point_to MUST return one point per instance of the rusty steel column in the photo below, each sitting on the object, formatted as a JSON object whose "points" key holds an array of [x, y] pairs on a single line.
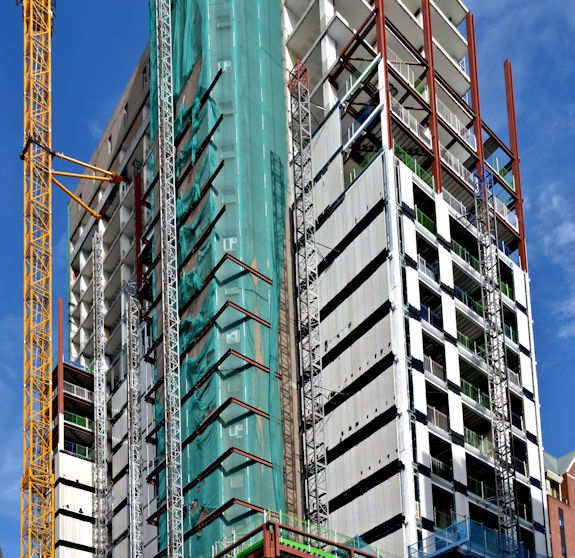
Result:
{"points": [[382, 49], [515, 161], [472, 53], [430, 77]]}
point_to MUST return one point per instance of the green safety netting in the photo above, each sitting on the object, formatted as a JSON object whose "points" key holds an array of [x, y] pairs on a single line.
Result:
{"points": [[242, 38]]}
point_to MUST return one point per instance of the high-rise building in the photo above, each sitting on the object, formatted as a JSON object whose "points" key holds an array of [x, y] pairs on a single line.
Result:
{"points": [[384, 247]]}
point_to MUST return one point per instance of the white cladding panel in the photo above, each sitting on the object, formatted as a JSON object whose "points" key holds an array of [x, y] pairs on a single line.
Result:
{"points": [[533, 460], [362, 355], [393, 543], [352, 260], [363, 460], [73, 499], [329, 186], [406, 185], [519, 286], [445, 265], [409, 237], [358, 200], [73, 530], [120, 458], [120, 522], [122, 549], [120, 429], [360, 409], [523, 329], [529, 415], [353, 310], [73, 468], [442, 218], [370, 509], [120, 490], [64, 552], [526, 371], [326, 141], [119, 399]]}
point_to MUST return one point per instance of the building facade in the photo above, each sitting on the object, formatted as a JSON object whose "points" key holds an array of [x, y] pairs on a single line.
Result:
{"points": [[397, 136], [560, 484]]}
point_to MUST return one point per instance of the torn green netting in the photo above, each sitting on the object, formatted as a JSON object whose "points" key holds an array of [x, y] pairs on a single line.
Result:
{"points": [[243, 39]]}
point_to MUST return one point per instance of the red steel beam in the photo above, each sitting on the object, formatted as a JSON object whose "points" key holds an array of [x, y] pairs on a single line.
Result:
{"points": [[515, 161], [430, 75], [382, 49], [472, 54]]}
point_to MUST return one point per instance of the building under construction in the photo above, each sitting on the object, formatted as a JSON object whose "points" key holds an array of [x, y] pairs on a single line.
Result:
{"points": [[309, 298]]}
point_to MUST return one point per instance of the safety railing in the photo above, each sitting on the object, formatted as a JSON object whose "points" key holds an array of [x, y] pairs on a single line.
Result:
{"points": [[351, 176], [469, 301], [78, 391], [510, 333], [507, 290], [508, 215], [441, 469], [456, 166], [465, 255], [429, 316], [471, 345], [475, 393], [478, 441], [79, 450], [425, 220], [460, 129], [521, 467], [437, 418], [413, 165], [517, 420], [428, 269], [459, 207], [524, 511], [433, 367], [411, 122], [77, 420], [502, 172], [514, 377], [481, 489], [417, 84]]}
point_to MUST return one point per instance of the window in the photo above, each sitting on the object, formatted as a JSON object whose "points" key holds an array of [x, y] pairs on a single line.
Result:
{"points": [[562, 529], [554, 489]]}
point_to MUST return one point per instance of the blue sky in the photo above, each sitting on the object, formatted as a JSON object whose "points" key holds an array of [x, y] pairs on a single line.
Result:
{"points": [[96, 46]]}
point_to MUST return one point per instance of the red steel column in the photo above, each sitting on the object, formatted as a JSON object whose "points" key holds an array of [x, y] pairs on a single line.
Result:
{"points": [[472, 53], [382, 49], [430, 76], [515, 161], [60, 373]]}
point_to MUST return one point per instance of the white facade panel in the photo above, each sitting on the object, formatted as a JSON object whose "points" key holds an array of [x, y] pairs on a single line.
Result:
{"points": [[406, 185], [442, 218], [519, 289], [329, 187], [122, 549], [73, 530], [120, 429], [73, 468], [409, 237], [119, 399], [73, 499], [120, 458], [326, 141], [533, 461], [523, 329], [120, 490], [445, 266], [526, 371], [64, 552], [120, 522]]}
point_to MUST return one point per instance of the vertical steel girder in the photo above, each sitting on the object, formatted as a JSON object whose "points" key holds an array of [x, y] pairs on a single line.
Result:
{"points": [[134, 422], [169, 270], [308, 303], [37, 486], [495, 354], [100, 533]]}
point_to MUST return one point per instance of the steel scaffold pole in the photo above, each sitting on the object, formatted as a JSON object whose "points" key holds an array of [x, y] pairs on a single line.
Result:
{"points": [[169, 270], [308, 303]]}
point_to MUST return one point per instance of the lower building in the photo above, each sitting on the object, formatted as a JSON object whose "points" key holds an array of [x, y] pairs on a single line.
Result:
{"points": [[560, 483]]}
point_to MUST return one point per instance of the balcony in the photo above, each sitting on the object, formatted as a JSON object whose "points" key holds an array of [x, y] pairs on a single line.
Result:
{"points": [[403, 68], [441, 469], [411, 122], [502, 172], [514, 377], [413, 165], [517, 420], [481, 489], [475, 393], [455, 124], [437, 418], [465, 255], [427, 269], [478, 441], [76, 391], [77, 420], [508, 216], [424, 220], [471, 345], [433, 367], [510, 333], [507, 290], [456, 166], [79, 450], [469, 301], [429, 316]]}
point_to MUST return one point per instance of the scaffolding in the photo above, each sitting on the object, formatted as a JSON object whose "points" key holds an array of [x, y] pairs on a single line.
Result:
{"points": [[314, 450], [100, 533], [169, 270], [495, 354], [134, 421]]}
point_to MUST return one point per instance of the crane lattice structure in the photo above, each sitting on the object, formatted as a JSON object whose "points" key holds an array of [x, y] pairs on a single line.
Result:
{"points": [[37, 515], [308, 302], [100, 533], [134, 421], [495, 353], [169, 270]]}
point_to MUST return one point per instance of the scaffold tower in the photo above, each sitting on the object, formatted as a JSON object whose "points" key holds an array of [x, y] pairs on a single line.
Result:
{"points": [[169, 271], [495, 354], [315, 471]]}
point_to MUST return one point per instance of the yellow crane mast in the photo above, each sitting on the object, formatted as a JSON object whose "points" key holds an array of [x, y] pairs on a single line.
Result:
{"points": [[37, 486]]}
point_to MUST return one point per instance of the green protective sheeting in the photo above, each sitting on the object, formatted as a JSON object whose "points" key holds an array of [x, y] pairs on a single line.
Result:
{"points": [[243, 38]]}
